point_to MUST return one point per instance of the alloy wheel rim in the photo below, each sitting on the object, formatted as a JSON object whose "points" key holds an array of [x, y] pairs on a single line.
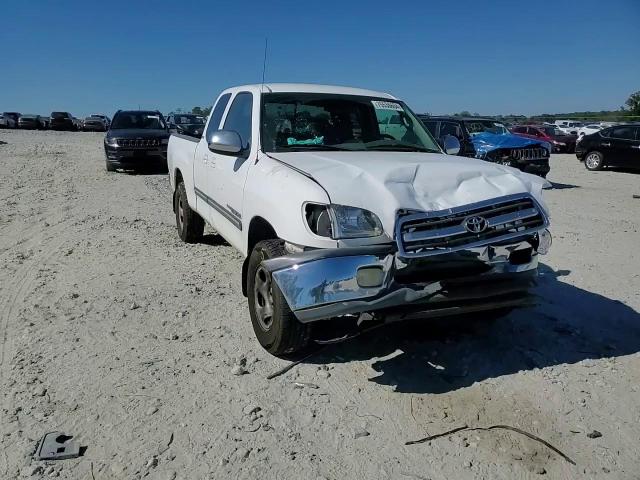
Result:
{"points": [[593, 160], [263, 298]]}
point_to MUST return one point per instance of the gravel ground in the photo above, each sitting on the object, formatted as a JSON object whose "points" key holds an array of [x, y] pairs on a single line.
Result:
{"points": [[140, 346]]}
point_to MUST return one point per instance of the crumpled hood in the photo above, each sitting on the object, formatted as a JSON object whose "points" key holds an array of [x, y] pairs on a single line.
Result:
{"points": [[385, 182], [486, 142]]}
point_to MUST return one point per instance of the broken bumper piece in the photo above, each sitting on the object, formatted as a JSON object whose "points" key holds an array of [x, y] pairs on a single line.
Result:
{"points": [[322, 284]]}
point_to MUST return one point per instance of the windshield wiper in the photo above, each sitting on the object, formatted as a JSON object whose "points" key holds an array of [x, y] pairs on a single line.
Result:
{"points": [[314, 147], [402, 147]]}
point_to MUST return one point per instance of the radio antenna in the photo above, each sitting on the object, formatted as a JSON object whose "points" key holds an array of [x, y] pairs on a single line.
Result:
{"points": [[264, 63]]}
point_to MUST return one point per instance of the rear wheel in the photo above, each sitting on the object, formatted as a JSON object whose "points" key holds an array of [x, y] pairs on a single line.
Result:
{"points": [[594, 161], [276, 327], [190, 224]]}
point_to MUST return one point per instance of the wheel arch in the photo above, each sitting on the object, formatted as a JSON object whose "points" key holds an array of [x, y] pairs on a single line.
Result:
{"points": [[259, 230], [177, 179]]}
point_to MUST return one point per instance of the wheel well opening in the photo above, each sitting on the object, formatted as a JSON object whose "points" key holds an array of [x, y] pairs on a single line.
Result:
{"points": [[259, 229], [178, 181]]}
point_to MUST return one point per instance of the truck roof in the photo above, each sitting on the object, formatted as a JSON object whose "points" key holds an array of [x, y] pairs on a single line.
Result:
{"points": [[309, 88]]}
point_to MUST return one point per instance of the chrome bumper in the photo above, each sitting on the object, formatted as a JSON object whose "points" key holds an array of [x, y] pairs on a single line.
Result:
{"points": [[321, 284]]}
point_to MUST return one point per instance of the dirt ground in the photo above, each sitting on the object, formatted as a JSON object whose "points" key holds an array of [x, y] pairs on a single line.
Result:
{"points": [[116, 332]]}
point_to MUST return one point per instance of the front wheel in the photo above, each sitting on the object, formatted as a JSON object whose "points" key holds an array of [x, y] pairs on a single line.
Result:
{"points": [[594, 161], [275, 325]]}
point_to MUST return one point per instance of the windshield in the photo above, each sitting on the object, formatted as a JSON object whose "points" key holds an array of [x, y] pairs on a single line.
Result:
{"points": [[485, 126], [316, 121], [553, 131], [188, 120], [142, 120], [60, 115]]}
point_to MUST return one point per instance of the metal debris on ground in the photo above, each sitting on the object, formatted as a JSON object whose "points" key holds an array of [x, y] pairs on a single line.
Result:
{"points": [[57, 446], [305, 384], [285, 369], [494, 427]]}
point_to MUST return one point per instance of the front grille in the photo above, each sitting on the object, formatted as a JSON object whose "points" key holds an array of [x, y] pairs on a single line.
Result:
{"points": [[138, 142], [528, 154], [431, 233]]}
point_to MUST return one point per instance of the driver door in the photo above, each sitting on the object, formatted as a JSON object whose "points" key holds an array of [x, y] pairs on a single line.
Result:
{"points": [[203, 163], [230, 171]]}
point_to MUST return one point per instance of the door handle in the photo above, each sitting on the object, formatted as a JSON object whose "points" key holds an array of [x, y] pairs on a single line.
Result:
{"points": [[635, 146], [605, 144]]}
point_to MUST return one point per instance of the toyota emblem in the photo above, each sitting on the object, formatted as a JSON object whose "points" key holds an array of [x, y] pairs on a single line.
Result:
{"points": [[475, 224]]}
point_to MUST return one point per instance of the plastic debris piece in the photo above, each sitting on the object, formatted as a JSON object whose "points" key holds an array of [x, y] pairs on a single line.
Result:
{"points": [[57, 446]]}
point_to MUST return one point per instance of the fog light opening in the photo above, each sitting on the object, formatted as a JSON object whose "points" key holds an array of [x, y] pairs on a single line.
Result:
{"points": [[369, 277], [544, 242]]}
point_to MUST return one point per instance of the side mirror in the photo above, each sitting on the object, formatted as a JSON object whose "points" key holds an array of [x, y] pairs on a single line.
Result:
{"points": [[451, 145], [225, 142]]}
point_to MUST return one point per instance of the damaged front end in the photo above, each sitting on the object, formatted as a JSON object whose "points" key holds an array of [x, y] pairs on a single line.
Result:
{"points": [[533, 160], [527, 155], [476, 257]]}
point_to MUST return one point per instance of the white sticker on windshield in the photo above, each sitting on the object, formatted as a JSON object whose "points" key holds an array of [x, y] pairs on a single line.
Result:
{"points": [[381, 105]]}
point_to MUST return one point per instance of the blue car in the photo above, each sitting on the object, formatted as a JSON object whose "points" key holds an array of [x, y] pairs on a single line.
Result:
{"points": [[490, 140]]}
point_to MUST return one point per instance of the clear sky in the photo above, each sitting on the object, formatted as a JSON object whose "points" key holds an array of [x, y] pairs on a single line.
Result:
{"points": [[486, 56]]}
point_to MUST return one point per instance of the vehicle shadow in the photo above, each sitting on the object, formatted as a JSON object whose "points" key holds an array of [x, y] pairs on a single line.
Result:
{"points": [[147, 171], [624, 170], [214, 240], [562, 186], [569, 325]]}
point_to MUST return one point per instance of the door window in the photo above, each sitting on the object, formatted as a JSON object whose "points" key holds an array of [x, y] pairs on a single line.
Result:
{"points": [[448, 128], [239, 117], [431, 126], [216, 114], [624, 133]]}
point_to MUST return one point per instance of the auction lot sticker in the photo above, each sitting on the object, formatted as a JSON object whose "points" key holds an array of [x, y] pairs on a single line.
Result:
{"points": [[381, 105]]}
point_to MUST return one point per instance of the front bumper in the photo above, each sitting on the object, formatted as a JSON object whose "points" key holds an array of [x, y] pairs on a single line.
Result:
{"points": [[136, 157], [94, 127], [321, 284], [536, 168]]}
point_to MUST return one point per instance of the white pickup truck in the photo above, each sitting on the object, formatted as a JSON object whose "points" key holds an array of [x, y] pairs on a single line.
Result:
{"points": [[339, 218]]}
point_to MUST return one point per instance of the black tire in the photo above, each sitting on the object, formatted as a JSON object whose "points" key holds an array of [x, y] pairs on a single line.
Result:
{"points": [[109, 166], [282, 334], [190, 224], [594, 161]]}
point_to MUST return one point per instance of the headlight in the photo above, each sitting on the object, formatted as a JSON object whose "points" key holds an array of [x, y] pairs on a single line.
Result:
{"points": [[164, 141], [340, 221], [112, 142]]}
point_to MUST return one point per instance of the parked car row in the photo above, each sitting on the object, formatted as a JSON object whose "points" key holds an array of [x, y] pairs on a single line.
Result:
{"points": [[554, 136], [490, 140], [56, 121]]}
